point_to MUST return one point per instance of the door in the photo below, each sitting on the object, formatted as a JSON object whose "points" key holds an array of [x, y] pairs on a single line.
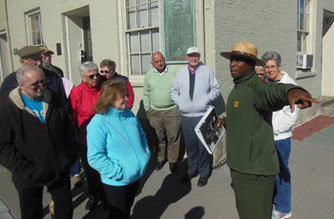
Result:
{"points": [[79, 41]]}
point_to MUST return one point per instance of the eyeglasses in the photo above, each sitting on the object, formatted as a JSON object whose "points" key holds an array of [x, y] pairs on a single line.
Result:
{"points": [[106, 72], [94, 75], [37, 83]]}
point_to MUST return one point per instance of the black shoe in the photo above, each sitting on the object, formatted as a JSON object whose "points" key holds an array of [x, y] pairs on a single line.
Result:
{"points": [[202, 181], [186, 178], [91, 203], [172, 167], [159, 165]]}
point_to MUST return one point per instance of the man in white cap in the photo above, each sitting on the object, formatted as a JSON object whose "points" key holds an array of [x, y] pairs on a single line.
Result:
{"points": [[251, 153], [194, 90]]}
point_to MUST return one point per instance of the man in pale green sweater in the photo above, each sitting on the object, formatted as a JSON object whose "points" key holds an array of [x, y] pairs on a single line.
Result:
{"points": [[161, 111]]}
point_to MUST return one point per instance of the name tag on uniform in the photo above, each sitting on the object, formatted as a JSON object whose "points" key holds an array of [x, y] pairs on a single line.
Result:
{"points": [[236, 104]]}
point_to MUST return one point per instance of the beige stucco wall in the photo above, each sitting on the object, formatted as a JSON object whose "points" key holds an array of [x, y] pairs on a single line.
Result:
{"points": [[3, 25], [103, 26]]}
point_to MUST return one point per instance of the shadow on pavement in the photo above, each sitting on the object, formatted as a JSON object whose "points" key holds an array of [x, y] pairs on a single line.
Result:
{"points": [[195, 213], [152, 207]]}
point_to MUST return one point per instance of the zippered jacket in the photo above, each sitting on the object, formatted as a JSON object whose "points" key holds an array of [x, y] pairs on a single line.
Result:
{"points": [[206, 90], [250, 140], [83, 99], [36, 153], [117, 147]]}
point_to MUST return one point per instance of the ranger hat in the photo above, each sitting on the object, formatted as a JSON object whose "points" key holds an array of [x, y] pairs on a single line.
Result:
{"points": [[46, 50], [246, 50], [29, 51], [192, 50]]}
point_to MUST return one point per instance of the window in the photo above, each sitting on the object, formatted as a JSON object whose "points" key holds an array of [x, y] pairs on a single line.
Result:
{"points": [[302, 25], [142, 34], [34, 27]]}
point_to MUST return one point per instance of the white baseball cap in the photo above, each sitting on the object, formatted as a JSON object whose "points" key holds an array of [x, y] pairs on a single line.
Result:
{"points": [[192, 50]]}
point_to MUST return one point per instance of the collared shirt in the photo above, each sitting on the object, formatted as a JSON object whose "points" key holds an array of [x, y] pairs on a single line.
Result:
{"points": [[193, 71], [161, 73]]}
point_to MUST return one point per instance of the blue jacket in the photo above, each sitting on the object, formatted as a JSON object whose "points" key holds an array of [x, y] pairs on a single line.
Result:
{"points": [[117, 147]]}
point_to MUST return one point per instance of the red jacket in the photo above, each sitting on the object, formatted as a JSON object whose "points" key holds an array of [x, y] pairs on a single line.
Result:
{"points": [[83, 99]]}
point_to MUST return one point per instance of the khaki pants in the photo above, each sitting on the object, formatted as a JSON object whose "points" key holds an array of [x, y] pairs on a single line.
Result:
{"points": [[167, 126]]}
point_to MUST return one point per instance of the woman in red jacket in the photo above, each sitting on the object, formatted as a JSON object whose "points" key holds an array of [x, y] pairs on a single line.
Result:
{"points": [[82, 99]]}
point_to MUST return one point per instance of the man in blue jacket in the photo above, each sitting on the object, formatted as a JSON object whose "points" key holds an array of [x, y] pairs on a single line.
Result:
{"points": [[194, 90]]}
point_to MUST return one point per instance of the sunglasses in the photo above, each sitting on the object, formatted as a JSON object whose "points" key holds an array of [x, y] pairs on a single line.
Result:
{"points": [[94, 75], [107, 72]]}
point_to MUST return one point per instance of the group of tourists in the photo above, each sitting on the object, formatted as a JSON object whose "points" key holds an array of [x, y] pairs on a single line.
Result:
{"points": [[48, 125]]}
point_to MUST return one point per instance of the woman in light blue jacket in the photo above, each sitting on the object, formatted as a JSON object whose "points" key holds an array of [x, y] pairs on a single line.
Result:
{"points": [[117, 148]]}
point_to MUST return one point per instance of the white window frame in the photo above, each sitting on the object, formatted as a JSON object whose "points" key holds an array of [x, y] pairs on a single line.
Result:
{"points": [[38, 31], [303, 25], [149, 28]]}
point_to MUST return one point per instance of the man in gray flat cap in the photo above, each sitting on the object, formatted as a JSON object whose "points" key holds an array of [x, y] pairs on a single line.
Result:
{"points": [[32, 55]]}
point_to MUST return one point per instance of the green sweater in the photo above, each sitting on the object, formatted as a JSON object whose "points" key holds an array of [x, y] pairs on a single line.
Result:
{"points": [[250, 141], [156, 89]]}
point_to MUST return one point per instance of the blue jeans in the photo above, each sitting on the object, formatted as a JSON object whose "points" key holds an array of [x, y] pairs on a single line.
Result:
{"points": [[199, 160], [282, 199], [75, 169]]}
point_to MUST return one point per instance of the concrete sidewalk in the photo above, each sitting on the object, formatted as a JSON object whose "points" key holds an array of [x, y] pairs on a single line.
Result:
{"points": [[162, 196]]}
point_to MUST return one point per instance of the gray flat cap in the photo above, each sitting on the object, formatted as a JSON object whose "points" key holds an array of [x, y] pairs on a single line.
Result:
{"points": [[29, 51]]}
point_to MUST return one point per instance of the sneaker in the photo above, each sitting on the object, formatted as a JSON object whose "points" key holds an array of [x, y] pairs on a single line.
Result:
{"points": [[202, 181], [280, 215], [77, 180]]}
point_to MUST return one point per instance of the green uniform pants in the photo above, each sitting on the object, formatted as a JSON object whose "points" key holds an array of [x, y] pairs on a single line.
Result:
{"points": [[253, 195]]}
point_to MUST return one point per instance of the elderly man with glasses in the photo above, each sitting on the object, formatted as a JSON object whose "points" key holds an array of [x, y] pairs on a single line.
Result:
{"points": [[36, 145]]}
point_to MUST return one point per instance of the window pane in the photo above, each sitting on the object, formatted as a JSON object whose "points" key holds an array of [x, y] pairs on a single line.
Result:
{"points": [[142, 14], [34, 38], [145, 41], [154, 21], [142, 1], [134, 43], [39, 39], [302, 22], [135, 64], [155, 39], [35, 29], [131, 3], [305, 22], [146, 63], [132, 18]]}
